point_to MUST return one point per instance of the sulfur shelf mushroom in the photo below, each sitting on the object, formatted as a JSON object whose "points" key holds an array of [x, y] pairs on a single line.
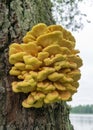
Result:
{"points": [[46, 64], [24, 86], [45, 87], [65, 95], [20, 66], [31, 61], [43, 55], [59, 86], [30, 48], [14, 71], [58, 57], [65, 64], [51, 97], [51, 38], [53, 28], [14, 48], [43, 74], [35, 99], [39, 29]]}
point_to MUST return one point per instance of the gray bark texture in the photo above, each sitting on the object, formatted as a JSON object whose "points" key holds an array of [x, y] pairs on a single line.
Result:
{"points": [[16, 18]]}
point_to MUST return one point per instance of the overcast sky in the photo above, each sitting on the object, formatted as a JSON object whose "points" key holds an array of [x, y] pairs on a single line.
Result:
{"points": [[84, 43]]}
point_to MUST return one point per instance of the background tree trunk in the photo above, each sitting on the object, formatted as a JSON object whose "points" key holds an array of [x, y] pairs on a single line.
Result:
{"points": [[16, 18]]}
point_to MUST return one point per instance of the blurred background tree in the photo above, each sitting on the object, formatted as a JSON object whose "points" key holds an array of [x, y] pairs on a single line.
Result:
{"points": [[68, 14]]}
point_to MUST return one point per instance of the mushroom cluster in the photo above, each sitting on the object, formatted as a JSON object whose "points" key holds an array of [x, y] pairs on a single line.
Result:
{"points": [[46, 65]]}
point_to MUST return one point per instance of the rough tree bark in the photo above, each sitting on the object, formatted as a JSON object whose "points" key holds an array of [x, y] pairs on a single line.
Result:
{"points": [[16, 18]]}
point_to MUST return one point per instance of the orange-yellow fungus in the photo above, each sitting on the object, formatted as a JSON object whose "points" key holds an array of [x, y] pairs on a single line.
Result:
{"points": [[46, 65]]}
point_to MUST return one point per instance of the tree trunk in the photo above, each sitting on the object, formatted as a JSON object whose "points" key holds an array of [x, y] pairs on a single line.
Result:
{"points": [[16, 18]]}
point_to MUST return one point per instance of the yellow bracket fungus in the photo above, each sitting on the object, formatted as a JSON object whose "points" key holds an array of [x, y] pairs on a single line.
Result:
{"points": [[46, 65]]}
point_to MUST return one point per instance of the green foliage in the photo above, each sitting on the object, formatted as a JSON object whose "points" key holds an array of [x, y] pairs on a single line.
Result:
{"points": [[67, 13], [88, 109]]}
